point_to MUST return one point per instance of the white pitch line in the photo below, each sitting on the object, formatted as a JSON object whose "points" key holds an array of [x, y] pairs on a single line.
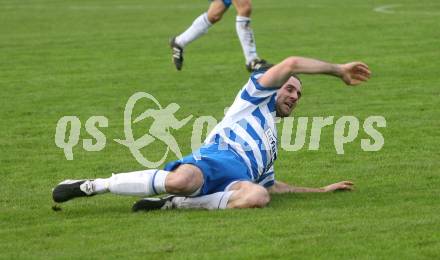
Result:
{"points": [[386, 9], [390, 9]]}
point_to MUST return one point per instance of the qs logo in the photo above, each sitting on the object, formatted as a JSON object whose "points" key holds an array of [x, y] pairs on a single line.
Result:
{"points": [[345, 131]]}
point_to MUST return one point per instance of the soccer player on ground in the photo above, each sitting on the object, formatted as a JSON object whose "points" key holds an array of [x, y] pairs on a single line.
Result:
{"points": [[234, 168], [214, 14]]}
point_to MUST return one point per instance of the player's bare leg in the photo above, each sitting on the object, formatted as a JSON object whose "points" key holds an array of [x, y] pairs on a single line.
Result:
{"points": [[248, 195], [185, 179], [216, 11]]}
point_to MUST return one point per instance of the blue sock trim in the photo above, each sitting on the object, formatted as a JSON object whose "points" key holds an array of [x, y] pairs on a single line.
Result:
{"points": [[152, 182]]}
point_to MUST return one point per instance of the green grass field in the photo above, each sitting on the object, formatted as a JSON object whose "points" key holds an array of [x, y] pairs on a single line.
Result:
{"points": [[86, 58]]}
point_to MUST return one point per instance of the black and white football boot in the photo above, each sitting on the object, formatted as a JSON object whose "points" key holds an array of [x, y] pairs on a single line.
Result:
{"points": [[70, 189], [257, 65], [177, 53], [149, 204]]}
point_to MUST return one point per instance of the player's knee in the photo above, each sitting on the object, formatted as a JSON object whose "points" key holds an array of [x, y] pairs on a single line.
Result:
{"points": [[260, 199], [257, 197], [214, 17], [184, 183], [244, 9]]}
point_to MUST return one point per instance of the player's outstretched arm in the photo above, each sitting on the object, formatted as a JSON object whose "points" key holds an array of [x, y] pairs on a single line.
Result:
{"points": [[352, 73], [280, 187]]}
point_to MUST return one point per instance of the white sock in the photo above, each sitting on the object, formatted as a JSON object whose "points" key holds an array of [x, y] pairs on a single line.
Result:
{"points": [[100, 185], [199, 27], [246, 36], [140, 183], [217, 200]]}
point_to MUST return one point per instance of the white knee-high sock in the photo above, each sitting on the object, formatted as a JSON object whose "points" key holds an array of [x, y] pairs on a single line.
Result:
{"points": [[139, 183], [101, 185], [199, 27], [246, 36], [217, 200]]}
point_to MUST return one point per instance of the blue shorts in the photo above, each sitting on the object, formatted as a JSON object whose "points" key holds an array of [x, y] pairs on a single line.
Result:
{"points": [[227, 3], [220, 167]]}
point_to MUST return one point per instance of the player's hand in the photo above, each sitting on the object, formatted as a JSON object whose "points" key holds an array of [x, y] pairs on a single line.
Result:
{"points": [[343, 185], [354, 73]]}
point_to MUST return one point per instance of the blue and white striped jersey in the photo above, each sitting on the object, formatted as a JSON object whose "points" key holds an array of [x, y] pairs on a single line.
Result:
{"points": [[249, 128]]}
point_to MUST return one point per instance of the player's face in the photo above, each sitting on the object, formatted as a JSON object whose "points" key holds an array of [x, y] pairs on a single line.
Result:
{"points": [[287, 97]]}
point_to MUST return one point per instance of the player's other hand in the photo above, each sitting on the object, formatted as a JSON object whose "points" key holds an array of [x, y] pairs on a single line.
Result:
{"points": [[343, 185], [354, 73]]}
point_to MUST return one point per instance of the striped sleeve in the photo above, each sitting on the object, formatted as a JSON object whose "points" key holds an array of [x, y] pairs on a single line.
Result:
{"points": [[268, 179], [255, 93]]}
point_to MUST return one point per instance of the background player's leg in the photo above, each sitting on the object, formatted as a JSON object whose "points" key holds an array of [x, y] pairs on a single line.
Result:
{"points": [[202, 23], [244, 29], [199, 27]]}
